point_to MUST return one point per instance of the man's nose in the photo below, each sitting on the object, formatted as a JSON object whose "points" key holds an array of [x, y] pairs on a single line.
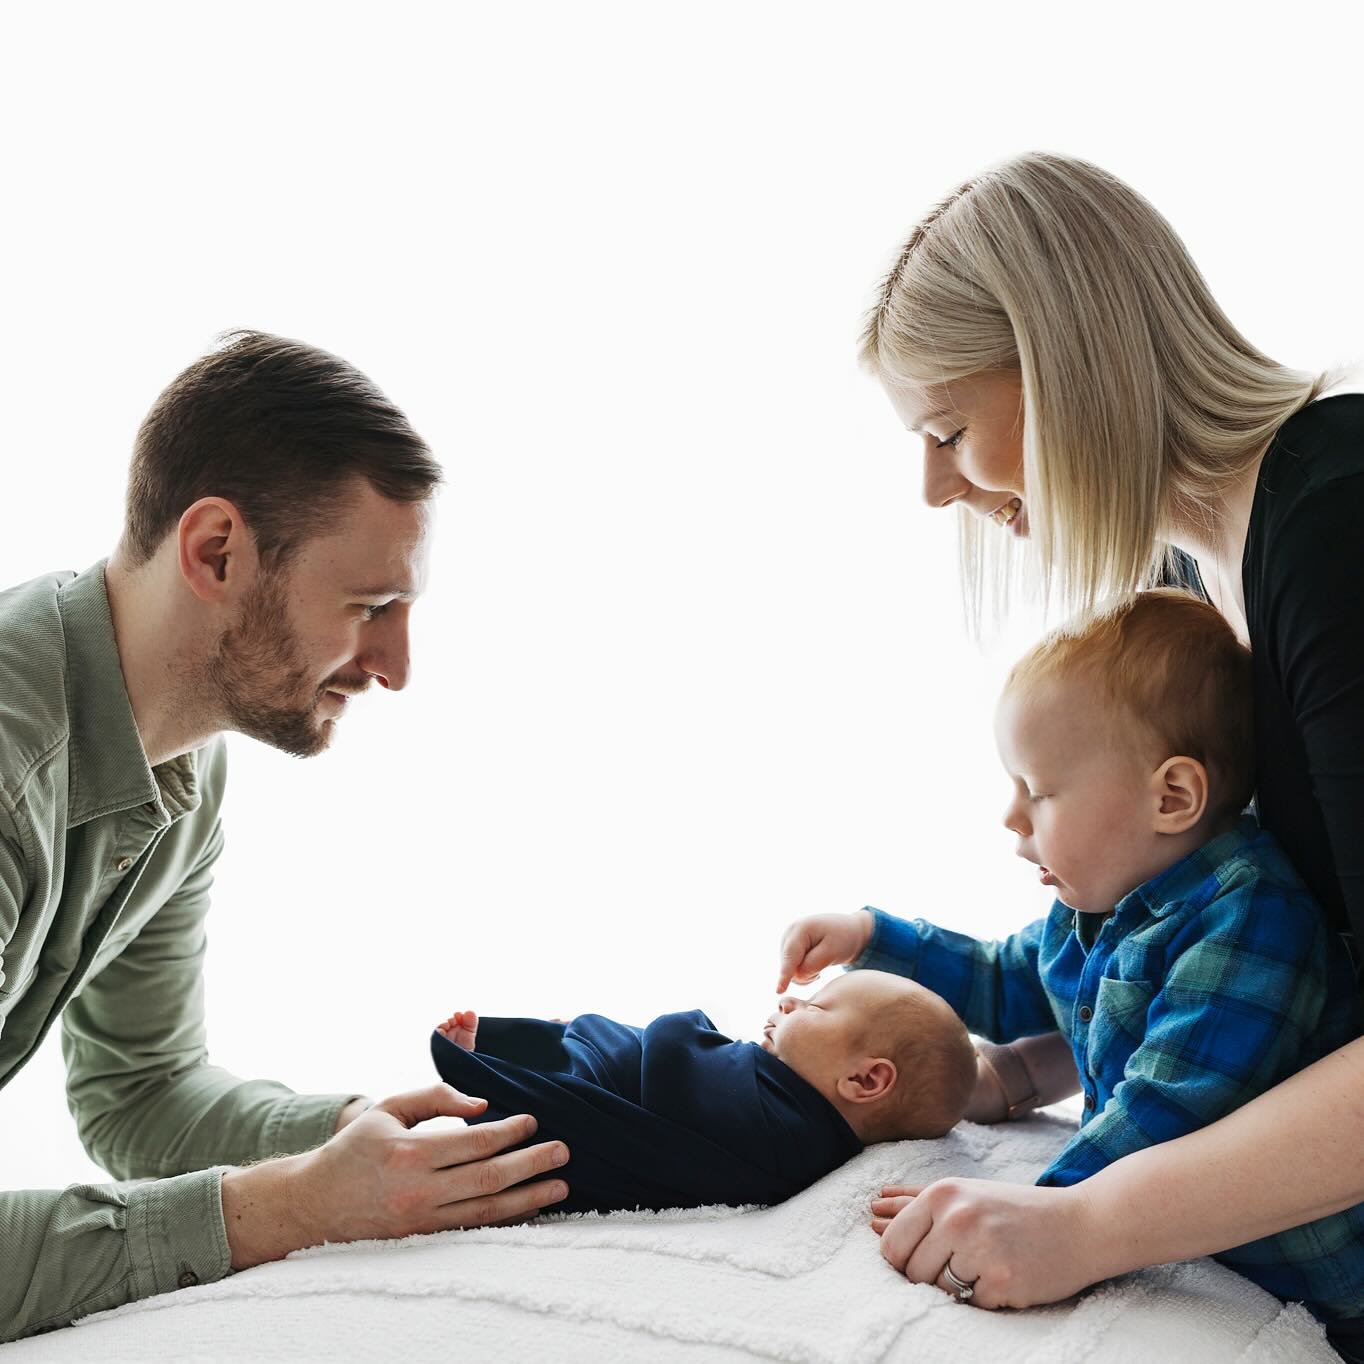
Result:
{"points": [[387, 658]]}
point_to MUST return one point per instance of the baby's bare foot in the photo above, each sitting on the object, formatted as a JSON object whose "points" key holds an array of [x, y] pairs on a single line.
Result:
{"points": [[461, 1028]]}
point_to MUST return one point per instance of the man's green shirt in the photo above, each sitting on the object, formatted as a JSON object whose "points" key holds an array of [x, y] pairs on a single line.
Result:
{"points": [[105, 869]]}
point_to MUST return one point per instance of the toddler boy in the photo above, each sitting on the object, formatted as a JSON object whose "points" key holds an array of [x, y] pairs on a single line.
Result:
{"points": [[1185, 961], [677, 1115]]}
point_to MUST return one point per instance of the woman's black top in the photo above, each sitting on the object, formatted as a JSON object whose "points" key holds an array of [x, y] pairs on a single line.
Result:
{"points": [[1303, 575]]}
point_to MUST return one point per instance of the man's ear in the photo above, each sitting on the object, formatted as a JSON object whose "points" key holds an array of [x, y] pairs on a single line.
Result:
{"points": [[1179, 787], [867, 1080], [215, 551]]}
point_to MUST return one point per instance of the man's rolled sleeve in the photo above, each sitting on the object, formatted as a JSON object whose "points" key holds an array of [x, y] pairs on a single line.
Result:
{"points": [[91, 1247]]}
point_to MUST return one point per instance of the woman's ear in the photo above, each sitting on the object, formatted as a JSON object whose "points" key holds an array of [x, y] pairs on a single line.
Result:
{"points": [[869, 1079], [1180, 790]]}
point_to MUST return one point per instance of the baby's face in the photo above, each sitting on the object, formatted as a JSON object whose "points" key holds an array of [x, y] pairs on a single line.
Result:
{"points": [[1083, 802], [820, 1036]]}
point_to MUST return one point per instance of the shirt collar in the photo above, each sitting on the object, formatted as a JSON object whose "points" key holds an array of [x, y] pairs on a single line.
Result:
{"points": [[1196, 878], [109, 769]]}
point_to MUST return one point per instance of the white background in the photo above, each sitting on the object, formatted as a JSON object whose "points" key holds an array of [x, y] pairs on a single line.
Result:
{"points": [[692, 661]]}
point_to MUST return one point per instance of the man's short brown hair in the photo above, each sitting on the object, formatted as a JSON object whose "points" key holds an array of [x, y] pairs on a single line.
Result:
{"points": [[281, 429]]}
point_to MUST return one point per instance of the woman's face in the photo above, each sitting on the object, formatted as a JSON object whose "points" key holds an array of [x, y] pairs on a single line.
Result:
{"points": [[972, 431]]}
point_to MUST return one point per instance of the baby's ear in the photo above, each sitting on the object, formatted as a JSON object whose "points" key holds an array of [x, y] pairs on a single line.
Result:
{"points": [[1180, 790], [870, 1079]]}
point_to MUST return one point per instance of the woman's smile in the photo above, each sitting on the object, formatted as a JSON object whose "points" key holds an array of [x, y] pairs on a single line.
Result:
{"points": [[1008, 513]]}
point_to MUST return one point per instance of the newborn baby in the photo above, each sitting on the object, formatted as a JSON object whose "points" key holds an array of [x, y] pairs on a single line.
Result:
{"points": [[677, 1115]]}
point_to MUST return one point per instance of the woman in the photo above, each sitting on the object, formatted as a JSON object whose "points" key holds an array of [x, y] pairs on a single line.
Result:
{"points": [[1047, 335]]}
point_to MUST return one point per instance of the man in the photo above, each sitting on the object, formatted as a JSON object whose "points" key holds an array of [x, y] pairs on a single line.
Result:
{"points": [[276, 532]]}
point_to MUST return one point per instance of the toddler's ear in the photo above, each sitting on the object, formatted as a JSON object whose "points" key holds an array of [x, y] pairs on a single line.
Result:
{"points": [[1180, 788], [870, 1079]]}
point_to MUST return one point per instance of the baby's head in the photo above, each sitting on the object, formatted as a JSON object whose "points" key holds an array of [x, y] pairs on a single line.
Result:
{"points": [[890, 1055], [1128, 737]]}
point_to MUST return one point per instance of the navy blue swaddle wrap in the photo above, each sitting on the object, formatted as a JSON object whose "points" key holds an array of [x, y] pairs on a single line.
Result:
{"points": [[673, 1115]]}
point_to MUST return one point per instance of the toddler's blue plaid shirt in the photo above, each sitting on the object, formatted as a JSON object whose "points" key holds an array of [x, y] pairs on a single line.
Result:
{"points": [[1208, 985]]}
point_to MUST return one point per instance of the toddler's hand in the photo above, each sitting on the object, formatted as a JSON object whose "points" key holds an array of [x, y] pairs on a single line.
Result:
{"points": [[461, 1028], [810, 945]]}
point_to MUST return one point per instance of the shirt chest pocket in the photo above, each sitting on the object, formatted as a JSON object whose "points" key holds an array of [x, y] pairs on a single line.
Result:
{"points": [[1118, 1026]]}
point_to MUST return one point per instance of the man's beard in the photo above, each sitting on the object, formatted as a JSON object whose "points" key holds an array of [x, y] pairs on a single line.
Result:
{"points": [[259, 677]]}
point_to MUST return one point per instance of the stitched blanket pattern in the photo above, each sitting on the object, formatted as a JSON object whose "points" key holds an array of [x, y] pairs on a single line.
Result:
{"points": [[803, 1282]]}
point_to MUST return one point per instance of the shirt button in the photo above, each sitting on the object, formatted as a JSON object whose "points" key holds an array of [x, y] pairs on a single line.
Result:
{"points": [[1089, 1101], [124, 863], [188, 1279], [1086, 1013]]}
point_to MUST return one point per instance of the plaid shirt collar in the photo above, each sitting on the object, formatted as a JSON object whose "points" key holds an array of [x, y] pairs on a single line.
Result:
{"points": [[1196, 878]]}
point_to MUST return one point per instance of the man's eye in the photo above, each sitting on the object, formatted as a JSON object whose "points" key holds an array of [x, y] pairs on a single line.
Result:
{"points": [[372, 611], [1036, 796], [953, 439]]}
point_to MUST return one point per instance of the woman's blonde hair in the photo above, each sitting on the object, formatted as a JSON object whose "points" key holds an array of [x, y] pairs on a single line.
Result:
{"points": [[1141, 401]]}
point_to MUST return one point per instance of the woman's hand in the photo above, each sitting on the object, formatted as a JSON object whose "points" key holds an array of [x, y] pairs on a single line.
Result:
{"points": [[1020, 1244], [810, 945]]}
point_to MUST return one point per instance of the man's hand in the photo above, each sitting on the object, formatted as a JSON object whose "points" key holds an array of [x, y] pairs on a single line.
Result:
{"points": [[810, 945], [352, 1111], [378, 1179]]}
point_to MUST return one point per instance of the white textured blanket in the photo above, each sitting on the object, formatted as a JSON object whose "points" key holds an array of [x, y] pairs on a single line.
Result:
{"points": [[801, 1282]]}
